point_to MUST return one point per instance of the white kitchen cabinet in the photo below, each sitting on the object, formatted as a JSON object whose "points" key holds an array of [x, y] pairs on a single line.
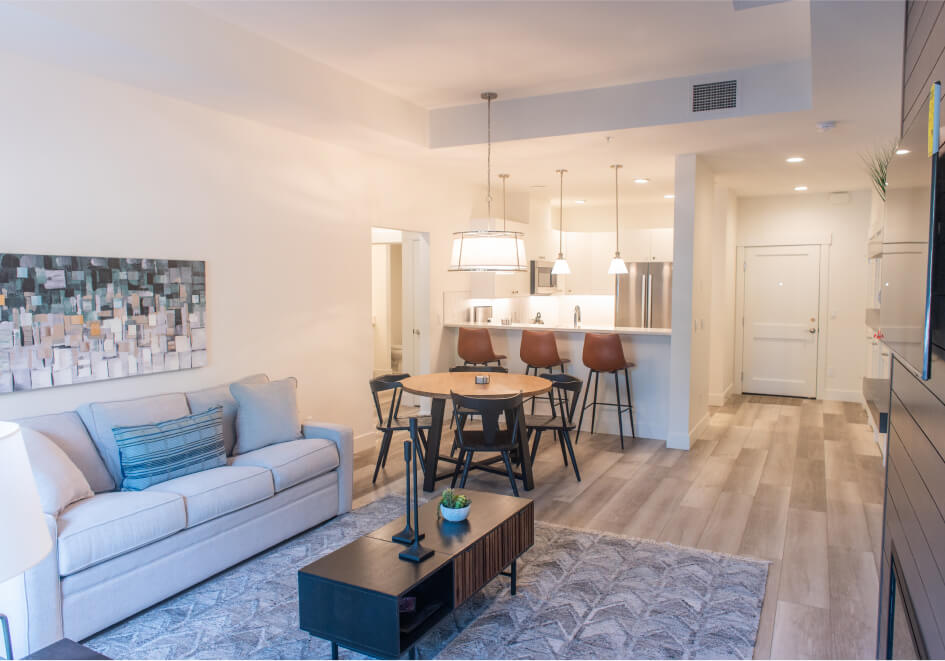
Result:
{"points": [[511, 284], [578, 252], [635, 245], [661, 244], [602, 252]]}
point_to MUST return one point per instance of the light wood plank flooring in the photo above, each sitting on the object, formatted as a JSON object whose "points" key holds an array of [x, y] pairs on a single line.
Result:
{"points": [[796, 482]]}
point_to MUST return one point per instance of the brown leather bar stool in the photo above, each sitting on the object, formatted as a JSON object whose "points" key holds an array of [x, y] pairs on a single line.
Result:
{"points": [[540, 351], [475, 347], [604, 353]]}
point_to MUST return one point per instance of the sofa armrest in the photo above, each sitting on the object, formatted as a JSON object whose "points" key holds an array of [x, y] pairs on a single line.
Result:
{"points": [[33, 601], [343, 437]]}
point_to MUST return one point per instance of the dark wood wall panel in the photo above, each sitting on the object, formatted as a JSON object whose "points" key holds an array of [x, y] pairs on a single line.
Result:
{"points": [[914, 516], [895, 536], [923, 521], [924, 56]]}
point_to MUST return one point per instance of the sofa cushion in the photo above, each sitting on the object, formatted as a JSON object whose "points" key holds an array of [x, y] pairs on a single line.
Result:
{"points": [[151, 454], [201, 400], [109, 524], [58, 481], [268, 413], [219, 491], [292, 462], [101, 417], [67, 431]]}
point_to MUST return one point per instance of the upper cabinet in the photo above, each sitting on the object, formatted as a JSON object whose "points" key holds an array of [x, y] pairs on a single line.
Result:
{"points": [[661, 244], [654, 245]]}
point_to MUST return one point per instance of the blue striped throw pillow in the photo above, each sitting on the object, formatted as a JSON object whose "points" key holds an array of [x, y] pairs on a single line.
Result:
{"points": [[161, 451]]}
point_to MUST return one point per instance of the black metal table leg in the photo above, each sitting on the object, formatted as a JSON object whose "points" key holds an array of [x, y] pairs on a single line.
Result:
{"points": [[433, 443], [524, 456], [334, 650], [514, 577]]}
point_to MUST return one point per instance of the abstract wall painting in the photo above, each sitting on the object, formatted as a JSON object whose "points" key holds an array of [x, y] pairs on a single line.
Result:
{"points": [[66, 320]]}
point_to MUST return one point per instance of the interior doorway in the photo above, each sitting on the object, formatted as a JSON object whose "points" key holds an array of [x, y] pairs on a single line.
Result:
{"points": [[781, 328], [400, 302]]}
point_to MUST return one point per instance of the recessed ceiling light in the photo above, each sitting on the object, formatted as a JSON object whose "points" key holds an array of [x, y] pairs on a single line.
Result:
{"points": [[902, 152], [669, 196], [800, 188], [641, 180], [579, 201], [795, 159]]}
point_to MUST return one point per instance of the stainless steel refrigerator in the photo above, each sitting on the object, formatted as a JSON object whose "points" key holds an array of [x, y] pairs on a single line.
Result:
{"points": [[644, 296]]}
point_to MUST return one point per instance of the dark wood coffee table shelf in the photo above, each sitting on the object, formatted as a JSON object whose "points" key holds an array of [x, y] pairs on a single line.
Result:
{"points": [[352, 597]]}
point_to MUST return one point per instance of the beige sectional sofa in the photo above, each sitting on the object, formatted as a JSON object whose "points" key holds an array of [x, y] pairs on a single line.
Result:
{"points": [[119, 552]]}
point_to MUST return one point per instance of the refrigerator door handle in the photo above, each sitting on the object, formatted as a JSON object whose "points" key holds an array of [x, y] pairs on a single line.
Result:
{"points": [[649, 300], [643, 300]]}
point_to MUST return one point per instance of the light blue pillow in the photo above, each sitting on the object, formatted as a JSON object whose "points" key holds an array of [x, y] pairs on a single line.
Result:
{"points": [[267, 413], [155, 453]]}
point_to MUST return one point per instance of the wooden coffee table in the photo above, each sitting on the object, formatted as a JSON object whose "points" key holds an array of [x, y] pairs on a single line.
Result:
{"points": [[352, 597]]}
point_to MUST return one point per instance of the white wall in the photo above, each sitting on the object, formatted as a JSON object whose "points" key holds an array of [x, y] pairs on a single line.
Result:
{"points": [[692, 277], [722, 313], [803, 218], [91, 167]]}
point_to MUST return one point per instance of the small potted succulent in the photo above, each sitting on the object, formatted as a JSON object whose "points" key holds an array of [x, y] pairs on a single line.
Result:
{"points": [[454, 506]]}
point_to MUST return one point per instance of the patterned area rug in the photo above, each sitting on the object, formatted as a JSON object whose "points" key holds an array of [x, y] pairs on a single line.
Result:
{"points": [[581, 594]]}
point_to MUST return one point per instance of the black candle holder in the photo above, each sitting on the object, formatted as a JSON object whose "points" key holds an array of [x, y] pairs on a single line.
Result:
{"points": [[406, 535], [416, 552]]}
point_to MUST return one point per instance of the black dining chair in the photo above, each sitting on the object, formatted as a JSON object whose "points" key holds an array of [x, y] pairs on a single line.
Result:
{"points": [[565, 391], [473, 368], [392, 422], [492, 437]]}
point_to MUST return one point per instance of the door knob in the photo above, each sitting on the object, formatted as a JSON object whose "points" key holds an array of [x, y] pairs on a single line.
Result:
{"points": [[811, 330]]}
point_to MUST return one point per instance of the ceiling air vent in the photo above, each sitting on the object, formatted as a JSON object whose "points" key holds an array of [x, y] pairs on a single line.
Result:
{"points": [[713, 96]]}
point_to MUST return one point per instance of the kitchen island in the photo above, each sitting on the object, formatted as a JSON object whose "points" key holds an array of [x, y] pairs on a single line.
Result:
{"points": [[648, 348]]}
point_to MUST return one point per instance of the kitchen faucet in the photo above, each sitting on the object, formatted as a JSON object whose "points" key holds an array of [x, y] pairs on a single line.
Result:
{"points": [[577, 316]]}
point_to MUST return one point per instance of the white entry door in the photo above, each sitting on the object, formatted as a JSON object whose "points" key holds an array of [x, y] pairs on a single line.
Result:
{"points": [[416, 310], [781, 328]]}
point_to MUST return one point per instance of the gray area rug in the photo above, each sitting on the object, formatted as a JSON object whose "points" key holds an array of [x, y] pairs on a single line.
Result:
{"points": [[581, 594]]}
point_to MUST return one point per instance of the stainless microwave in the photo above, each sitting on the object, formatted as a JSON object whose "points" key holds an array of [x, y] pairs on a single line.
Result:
{"points": [[543, 281]]}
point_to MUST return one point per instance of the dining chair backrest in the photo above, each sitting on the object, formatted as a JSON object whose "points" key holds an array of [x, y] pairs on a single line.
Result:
{"points": [[382, 384], [480, 368], [489, 409], [565, 389]]}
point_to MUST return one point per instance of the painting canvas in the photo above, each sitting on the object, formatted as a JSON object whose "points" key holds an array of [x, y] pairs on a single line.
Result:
{"points": [[66, 320]]}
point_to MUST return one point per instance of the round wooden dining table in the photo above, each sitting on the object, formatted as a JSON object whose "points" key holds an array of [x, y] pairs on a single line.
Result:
{"points": [[439, 386]]}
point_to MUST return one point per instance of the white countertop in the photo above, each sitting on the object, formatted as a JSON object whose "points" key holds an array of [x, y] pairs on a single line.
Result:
{"points": [[585, 328]]}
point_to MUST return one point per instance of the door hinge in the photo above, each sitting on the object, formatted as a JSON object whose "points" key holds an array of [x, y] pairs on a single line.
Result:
{"points": [[744, 266]]}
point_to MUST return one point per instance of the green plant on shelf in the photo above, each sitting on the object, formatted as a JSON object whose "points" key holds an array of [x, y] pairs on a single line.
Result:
{"points": [[453, 500]]}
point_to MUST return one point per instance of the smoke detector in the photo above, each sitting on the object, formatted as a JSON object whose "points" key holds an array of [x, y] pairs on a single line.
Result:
{"points": [[823, 127]]}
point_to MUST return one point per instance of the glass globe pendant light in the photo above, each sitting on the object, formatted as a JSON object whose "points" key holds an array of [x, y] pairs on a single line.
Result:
{"points": [[561, 264], [617, 265], [499, 251]]}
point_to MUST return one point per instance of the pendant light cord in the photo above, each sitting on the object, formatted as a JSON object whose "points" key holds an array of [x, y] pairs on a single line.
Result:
{"points": [[616, 168], [503, 177], [561, 213], [489, 96]]}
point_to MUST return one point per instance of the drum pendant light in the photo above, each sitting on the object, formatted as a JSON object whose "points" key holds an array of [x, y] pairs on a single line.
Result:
{"points": [[499, 251], [617, 265], [561, 264]]}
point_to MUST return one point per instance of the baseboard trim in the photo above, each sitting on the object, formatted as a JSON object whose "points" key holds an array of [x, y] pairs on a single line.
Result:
{"points": [[718, 399], [365, 441], [699, 427], [843, 396]]}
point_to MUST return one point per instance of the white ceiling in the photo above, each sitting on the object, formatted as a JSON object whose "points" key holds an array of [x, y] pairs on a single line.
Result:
{"points": [[447, 52], [437, 54]]}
